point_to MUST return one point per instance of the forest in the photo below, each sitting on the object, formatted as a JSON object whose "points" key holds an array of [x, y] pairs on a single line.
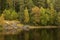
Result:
{"points": [[17, 15], [32, 12]]}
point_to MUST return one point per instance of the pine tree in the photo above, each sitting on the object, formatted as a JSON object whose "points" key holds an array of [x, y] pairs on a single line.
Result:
{"points": [[57, 5], [21, 12], [26, 15], [39, 3], [58, 19], [3, 5], [11, 3]]}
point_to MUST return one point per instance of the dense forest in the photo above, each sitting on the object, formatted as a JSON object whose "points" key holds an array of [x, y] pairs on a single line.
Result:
{"points": [[32, 12]]}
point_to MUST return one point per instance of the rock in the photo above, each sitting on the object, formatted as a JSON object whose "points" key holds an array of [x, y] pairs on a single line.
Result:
{"points": [[25, 27], [10, 27]]}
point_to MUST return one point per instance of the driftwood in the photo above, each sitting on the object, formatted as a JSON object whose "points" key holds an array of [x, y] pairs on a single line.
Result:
{"points": [[26, 29]]}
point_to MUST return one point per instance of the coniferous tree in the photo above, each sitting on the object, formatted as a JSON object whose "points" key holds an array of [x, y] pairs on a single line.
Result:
{"points": [[21, 12], [3, 5], [39, 3], [57, 5]]}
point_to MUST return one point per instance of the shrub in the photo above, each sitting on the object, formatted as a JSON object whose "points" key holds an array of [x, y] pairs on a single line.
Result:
{"points": [[10, 14], [44, 17], [52, 16]]}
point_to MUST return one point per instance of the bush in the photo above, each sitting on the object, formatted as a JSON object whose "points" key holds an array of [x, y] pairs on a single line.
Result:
{"points": [[44, 17], [10, 14], [47, 16], [52, 16]]}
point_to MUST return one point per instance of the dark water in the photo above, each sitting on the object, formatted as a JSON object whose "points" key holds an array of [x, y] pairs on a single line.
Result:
{"points": [[36, 34]]}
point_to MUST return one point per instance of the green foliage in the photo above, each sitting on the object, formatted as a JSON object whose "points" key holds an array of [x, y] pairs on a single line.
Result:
{"points": [[52, 16], [58, 18], [10, 14], [39, 3], [28, 3], [57, 5], [40, 12], [44, 17], [47, 16], [3, 4], [21, 12], [1, 28], [35, 15]]}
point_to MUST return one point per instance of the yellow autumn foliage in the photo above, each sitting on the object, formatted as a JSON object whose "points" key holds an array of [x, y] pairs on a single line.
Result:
{"points": [[2, 19], [26, 15], [35, 9], [35, 15]]}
